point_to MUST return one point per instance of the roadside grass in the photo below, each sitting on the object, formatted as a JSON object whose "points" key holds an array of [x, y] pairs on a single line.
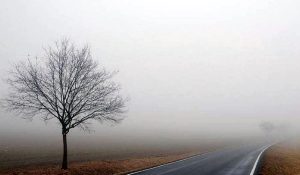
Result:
{"points": [[16, 161], [100, 167], [282, 159]]}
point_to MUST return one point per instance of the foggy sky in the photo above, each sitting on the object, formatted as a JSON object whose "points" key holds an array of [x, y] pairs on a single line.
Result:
{"points": [[191, 68]]}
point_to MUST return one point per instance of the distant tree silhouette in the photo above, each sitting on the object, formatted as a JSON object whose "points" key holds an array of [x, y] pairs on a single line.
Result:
{"points": [[267, 127], [66, 85]]}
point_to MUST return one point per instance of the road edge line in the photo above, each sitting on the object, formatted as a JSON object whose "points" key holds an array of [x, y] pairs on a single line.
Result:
{"points": [[258, 158], [201, 154]]}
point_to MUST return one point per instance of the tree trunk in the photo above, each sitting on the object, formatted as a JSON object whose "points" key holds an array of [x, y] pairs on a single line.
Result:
{"points": [[65, 154]]}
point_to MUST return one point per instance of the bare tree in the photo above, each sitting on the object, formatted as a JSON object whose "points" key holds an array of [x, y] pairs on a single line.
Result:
{"points": [[267, 127], [68, 86]]}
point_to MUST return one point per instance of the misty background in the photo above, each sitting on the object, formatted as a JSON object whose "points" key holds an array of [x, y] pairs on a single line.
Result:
{"points": [[194, 70]]}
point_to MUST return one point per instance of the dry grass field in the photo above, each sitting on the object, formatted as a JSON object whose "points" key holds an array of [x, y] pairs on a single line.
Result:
{"points": [[97, 167], [282, 159], [16, 161]]}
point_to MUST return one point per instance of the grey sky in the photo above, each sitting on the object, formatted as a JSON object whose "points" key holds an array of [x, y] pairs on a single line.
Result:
{"points": [[188, 66]]}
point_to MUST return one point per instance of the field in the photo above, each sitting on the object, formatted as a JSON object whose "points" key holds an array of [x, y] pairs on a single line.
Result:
{"points": [[25, 162], [282, 159], [98, 167]]}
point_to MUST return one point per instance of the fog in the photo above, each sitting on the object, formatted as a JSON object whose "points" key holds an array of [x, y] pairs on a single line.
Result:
{"points": [[194, 70]]}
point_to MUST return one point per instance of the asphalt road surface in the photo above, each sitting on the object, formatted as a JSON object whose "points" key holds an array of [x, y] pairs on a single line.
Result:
{"points": [[234, 161]]}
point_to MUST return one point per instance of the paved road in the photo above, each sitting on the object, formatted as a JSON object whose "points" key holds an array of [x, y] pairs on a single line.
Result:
{"points": [[233, 161]]}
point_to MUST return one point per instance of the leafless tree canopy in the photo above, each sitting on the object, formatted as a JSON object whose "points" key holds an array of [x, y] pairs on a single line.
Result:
{"points": [[66, 85], [267, 127]]}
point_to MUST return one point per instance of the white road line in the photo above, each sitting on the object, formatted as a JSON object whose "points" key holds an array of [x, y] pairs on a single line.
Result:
{"points": [[252, 171], [256, 162], [136, 172]]}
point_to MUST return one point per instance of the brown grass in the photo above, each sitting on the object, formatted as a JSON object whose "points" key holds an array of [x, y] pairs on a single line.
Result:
{"points": [[282, 159], [97, 167]]}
